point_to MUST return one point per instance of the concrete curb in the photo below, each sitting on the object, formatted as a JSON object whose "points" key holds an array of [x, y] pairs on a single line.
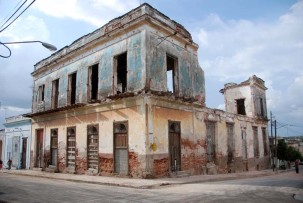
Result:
{"points": [[146, 183]]}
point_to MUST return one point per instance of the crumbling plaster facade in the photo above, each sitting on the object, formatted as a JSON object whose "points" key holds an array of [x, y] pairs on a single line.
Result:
{"points": [[142, 128]]}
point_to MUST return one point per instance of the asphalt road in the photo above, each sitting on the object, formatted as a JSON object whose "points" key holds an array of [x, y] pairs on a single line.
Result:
{"points": [[277, 188]]}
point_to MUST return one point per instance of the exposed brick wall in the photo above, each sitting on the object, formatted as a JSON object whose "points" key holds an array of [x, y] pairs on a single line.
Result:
{"points": [[161, 167], [61, 156], [134, 165], [106, 164], [47, 160], [81, 162]]}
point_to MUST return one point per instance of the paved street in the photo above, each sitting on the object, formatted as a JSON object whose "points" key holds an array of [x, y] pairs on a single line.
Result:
{"points": [[277, 188]]}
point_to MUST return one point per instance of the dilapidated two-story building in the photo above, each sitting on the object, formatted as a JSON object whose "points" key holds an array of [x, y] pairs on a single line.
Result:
{"points": [[129, 99]]}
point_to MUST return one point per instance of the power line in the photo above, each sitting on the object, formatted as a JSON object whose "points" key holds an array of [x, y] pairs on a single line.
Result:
{"points": [[13, 13], [18, 15]]}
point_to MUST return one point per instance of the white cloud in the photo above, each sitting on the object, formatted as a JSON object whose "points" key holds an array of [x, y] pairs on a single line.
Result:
{"points": [[233, 50], [95, 12]]}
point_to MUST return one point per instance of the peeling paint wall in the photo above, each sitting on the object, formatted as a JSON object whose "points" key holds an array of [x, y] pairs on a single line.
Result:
{"points": [[191, 82], [147, 37]]}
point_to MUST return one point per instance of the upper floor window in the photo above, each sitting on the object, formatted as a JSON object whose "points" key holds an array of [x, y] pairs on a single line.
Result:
{"points": [[93, 80], [171, 74], [241, 106], [71, 91], [120, 73], [40, 96], [55, 93]]}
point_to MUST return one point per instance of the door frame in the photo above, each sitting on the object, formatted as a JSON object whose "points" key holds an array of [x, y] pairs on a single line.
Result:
{"points": [[171, 167], [24, 152], [51, 146], [39, 162], [114, 145]]}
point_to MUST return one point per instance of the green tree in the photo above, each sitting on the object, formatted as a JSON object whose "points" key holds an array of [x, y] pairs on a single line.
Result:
{"points": [[293, 154], [282, 150]]}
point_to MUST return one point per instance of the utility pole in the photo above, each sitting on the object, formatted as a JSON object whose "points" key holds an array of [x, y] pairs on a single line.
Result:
{"points": [[276, 150], [272, 143]]}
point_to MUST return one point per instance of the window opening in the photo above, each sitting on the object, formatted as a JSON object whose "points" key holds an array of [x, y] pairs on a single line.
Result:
{"points": [[93, 80], [121, 73], [41, 93], [55, 93], [241, 106], [171, 63], [92, 147], [72, 79], [261, 107]]}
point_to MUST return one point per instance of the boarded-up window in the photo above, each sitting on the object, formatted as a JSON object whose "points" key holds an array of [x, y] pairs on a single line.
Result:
{"points": [[172, 74], [256, 141], [230, 142], [92, 147], [241, 106], [120, 73], [55, 93], [71, 93], [210, 136], [71, 147], [265, 141], [244, 144]]}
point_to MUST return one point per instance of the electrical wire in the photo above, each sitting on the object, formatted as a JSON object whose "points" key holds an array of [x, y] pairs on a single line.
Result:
{"points": [[10, 52], [18, 15], [13, 13]]}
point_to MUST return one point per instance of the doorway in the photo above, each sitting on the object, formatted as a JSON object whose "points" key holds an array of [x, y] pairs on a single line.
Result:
{"points": [[121, 148], [39, 148], [54, 147], [174, 146], [24, 150]]}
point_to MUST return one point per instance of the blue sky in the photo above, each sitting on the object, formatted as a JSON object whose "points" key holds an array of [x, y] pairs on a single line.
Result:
{"points": [[236, 39]]}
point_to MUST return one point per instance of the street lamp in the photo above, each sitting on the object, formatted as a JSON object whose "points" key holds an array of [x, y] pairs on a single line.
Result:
{"points": [[46, 45]]}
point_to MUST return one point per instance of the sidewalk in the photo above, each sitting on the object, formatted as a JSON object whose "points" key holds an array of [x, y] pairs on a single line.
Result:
{"points": [[142, 183]]}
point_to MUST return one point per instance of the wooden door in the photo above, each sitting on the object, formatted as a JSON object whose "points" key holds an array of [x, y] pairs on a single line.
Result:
{"points": [[174, 146], [39, 148], [121, 148], [24, 150], [54, 146]]}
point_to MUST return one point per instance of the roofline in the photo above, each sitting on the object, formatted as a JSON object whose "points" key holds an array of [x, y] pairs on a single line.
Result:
{"points": [[113, 25]]}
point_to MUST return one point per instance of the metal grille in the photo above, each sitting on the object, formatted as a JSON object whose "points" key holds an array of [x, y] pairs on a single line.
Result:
{"points": [[210, 136], [92, 147], [71, 147], [54, 146], [230, 142]]}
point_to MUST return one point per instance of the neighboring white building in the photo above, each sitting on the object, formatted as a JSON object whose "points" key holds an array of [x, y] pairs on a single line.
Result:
{"points": [[2, 135], [17, 141]]}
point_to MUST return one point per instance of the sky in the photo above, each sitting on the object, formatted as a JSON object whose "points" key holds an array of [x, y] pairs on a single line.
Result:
{"points": [[236, 38]]}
